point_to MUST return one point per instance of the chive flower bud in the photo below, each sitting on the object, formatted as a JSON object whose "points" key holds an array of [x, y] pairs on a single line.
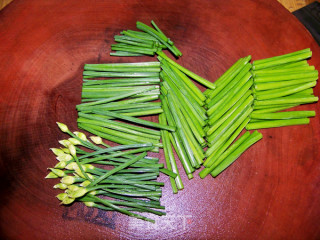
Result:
{"points": [[96, 139], [88, 166], [78, 172], [74, 141], [67, 201], [78, 193], [66, 150], [71, 166], [73, 188], [64, 157], [58, 172], [72, 149], [68, 180], [93, 192], [64, 143], [85, 183], [51, 175], [81, 135], [89, 204], [57, 151], [62, 196], [61, 186], [63, 127], [60, 165]]}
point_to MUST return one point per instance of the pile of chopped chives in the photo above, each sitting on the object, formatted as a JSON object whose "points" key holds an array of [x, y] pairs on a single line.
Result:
{"points": [[148, 41], [250, 96], [281, 83], [209, 128]]}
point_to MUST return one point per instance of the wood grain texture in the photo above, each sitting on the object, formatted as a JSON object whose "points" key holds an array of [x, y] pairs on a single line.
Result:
{"points": [[271, 192], [293, 5], [4, 3]]}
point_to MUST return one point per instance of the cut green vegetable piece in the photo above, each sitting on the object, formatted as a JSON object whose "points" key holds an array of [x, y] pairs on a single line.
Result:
{"points": [[253, 138], [229, 75], [281, 84], [283, 56], [216, 103], [166, 150], [283, 115], [313, 75], [217, 153], [286, 100], [189, 108], [230, 102], [117, 126], [188, 72], [176, 142], [293, 69], [111, 99], [229, 121], [224, 155], [277, 123], [229, 132], [108, 121], [289, 66], [233, 83], [174, 111], [281, 92], [283, 60], [135, 120], [159, 36], [189, 83], [169, 156], [214, 126], [131, 137], [90, 74], [116, 169], [274, 109], [125, 54]]}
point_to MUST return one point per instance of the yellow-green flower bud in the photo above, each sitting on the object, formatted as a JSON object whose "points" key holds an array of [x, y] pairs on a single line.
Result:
{"points": [[62, 196], [64, 157], [57, 151], [72, 166], [64, 143], [58, 172], [66, 150], [60, 165], [93, 192], [78, 193], [96, 139], [72, 150], [74, 141], [63, 127], [88, 166], [61, 186], [81, 135], [85, 183], [68, 180], [78, 171], [67, 201], [51, 175], [73, 188], [89, 204]]}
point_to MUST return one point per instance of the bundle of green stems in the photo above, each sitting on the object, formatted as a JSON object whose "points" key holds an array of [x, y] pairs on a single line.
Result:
{"points": [[147, 41], [121, 178], [281, 83]]}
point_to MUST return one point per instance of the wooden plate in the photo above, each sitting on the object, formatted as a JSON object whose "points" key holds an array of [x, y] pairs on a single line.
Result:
{"points": [[271, 192]]}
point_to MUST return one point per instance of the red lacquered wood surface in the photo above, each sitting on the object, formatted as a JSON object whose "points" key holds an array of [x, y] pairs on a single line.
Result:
{"points": [[271, 192]]}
